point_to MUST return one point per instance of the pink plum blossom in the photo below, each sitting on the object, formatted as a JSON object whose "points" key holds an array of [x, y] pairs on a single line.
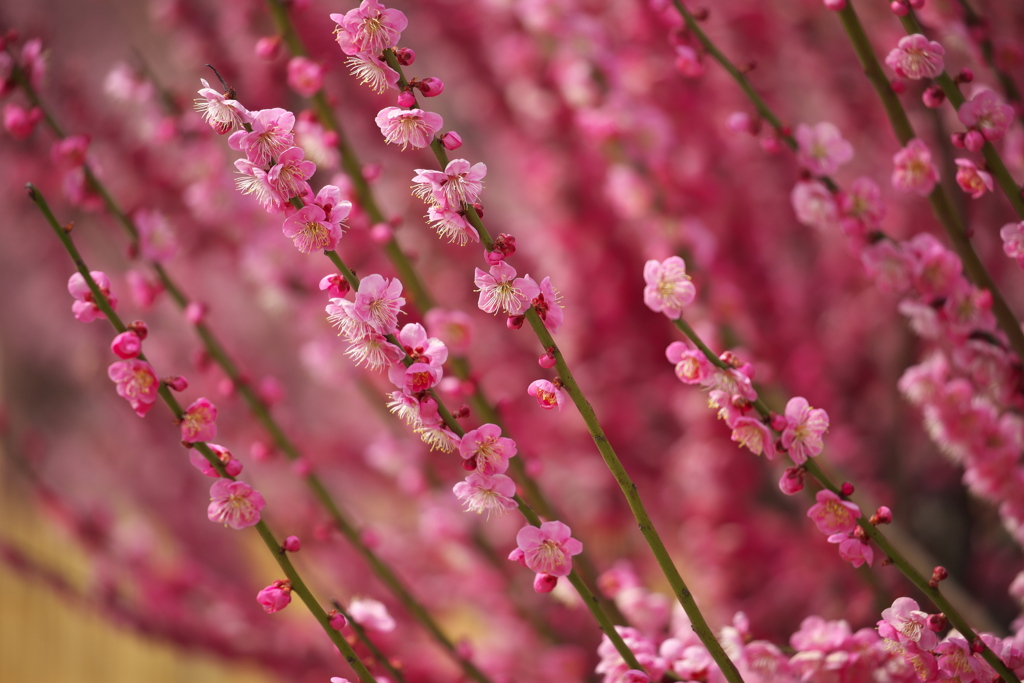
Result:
{"points": [[803, 431], [972, 179], [371, 27], [231, 464], [488, 449], [458, 184], [372, 615], [136, 383], [490, 494], [692, 366], [84, 307], [454, 327], [126, 345], [378, 303], [957, 662], [916, 57], [335, 285], [668, 288], [548, 549], [289, 175], [832, 515], [408, 127], [545, 300], [547, 394], [20, 122], [254, 180], [270, 136], [814, 205], [198, 422], [420, 348], [500, 290], [753, 434], [856, 551], [862, 204], [310, 231], [1012, 235], [373, 71], [275, 597], [305, 76], [822, 149], [986, 113], [234, 504], [224, 114], [910, 623], [913, 170], [451, 224], [157, 241]]}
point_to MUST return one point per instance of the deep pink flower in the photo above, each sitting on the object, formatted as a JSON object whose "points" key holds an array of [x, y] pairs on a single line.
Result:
{"points": [[547, 394], [289, 175], [126, 345], [198, 423], [458, 184], [20, 122], [488, 449], [335, 285], [910, 623], [270, 136], [420, 348], [373, 71], [549, 548], [832, 515], [136, 383], [84, 307], [310, 231], [408, 127], [545, 300], [378, 303], [275, 597], [916, 57], [814, 205], [856, 551], [371, 27], [804, 427], [986, 113], [234, 504], [491, 494], [972, 179], [416, 378], [305, 76], [913, 170], [500, 290], [668, 288], [822, 149], [223, 114], [792, 481], [754, 435]]}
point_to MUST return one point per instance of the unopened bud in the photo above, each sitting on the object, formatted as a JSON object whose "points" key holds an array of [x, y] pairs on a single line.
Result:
{"points": [[544, 583], [883, 515], [846, 489], [431, 87], [406, 99], [405, 56], [451, 140], [514, 322], [937, 622], [933, 97], [899, 8]]}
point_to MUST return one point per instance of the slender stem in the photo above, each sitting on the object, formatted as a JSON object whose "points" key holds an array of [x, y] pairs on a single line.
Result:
{"points": [[897, 558], [273, 545]]}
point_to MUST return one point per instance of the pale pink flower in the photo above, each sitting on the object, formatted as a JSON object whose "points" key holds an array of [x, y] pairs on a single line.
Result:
{"points": [[222, 113], [234, 504], [862, 202], [378, 303], [488, 449], [804, 427], [916, 57], [270, 136], [754, 435], [913, 170], [452, 224], [910, 623], [972, 179], [374, 351], [491, 494], [136, 383], [986, 113], [371, 614], [692, 366], [436, 434], [420, 348], [548, 549], [157, 241], [886, 263], [84, 307], [371, 27], [275, 597], [408, 127], [1013, 241], [454, 327], [814, 205], [310, 231], [958, 663], [289, 175], [256, 181], [668, 288], [305, 76], [547, 394], [856, 551], [821, 149], [458, 184], [832, 515], [70, 152], [373, 71], [500, 290]]}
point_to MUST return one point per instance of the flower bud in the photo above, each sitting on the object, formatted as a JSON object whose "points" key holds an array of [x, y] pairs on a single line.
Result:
{"points": [[451, 140], [546, 361], [514, 322], [937, 622], [406, 99], [544, 583], [974, 140], [792, 481], [177, 383], [268, 47], [431, 87], [292, 544], [405, 56], [933, 97], [126, 345], [846, 489], [337, 621], [898, 8]]}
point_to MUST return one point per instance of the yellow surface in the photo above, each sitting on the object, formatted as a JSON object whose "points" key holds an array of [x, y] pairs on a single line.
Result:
{"points": [[43, 640]]}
